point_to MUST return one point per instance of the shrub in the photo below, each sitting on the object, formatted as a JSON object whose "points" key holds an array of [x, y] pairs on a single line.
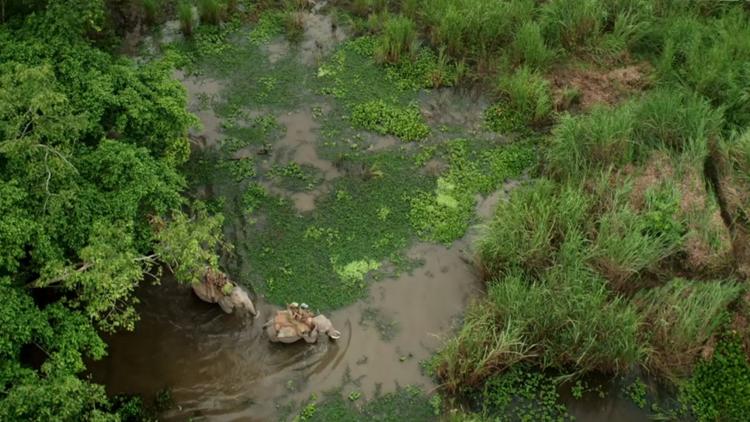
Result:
{"points": [[185, 15], [397, 41], [526, 100], [679, 319], [209, 11], [404, 122]]}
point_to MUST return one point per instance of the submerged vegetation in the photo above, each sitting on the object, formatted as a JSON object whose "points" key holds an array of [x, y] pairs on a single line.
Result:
{"points": [[625, 247]]}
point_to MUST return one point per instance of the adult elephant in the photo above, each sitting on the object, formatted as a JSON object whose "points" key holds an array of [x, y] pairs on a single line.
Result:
{"points": [[283, 328], [217, 288]]}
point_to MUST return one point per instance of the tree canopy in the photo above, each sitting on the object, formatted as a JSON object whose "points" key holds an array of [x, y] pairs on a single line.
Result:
{"points": [[90, 199]]}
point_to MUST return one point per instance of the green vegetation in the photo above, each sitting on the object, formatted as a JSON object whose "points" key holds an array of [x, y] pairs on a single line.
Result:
{"points": [[90, 146], [185, 15], [719, 387], [406, 403], [325, 257], [398, 41], [444, 214], [626, 249], [405, 123], [525, 101]]}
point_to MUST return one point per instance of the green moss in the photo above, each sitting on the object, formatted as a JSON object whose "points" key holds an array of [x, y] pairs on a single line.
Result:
{"points": [[406, 123]]}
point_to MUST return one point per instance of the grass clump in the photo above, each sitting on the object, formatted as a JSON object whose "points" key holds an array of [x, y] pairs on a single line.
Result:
{"points": [[294, 25], [674, 119], [386, 119], [707, 55], [209, 11], [398, 40], [719, 388], [573, 24], [598, 140], [527, 231], [185, 16], [151, 10], [680, 317], [629, 242], [529, 47], [525, 101], [445, 214], [565, 319]]}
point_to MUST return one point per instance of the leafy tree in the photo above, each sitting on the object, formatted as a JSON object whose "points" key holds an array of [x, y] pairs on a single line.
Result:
{"points": [[90, 202]]}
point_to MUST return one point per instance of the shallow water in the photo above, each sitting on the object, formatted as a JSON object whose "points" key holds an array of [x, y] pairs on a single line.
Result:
{"points": [[224, 367]]}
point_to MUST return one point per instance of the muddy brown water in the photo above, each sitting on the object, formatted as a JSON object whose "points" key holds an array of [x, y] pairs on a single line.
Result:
{"points": [[224, 368]]}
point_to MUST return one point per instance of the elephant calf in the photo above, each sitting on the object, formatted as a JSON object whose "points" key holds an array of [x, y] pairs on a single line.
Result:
{"points": [[217, 288]]}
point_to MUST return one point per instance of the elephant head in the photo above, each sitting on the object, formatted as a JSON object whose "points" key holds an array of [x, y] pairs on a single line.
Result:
{"points": [[237, 301], [325, 326]]}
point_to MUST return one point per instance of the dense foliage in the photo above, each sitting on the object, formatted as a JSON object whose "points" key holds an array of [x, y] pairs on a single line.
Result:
{"points": [[90, 145]]}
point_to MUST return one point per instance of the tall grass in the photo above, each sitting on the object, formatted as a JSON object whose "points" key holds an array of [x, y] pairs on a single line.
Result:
{"points": [[185, 16], [566, 319], [530, 48], [294, 25], [209, 11], [710, 56], [151, 10], [527, 231], [675, 119], [475, 29], [630, 243], [601, 139], [680, 317], [525, 100], [397, 41], [573, 24]]}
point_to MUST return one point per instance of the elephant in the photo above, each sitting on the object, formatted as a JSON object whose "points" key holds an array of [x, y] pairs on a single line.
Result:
{"points": [[282, 328], [216, 288]]}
